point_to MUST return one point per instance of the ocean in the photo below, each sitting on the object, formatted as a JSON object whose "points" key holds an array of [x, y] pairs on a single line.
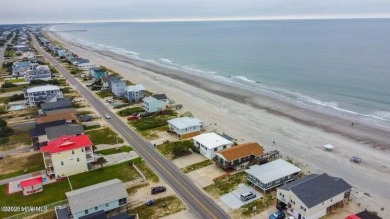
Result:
{"points": [[339, 65]]}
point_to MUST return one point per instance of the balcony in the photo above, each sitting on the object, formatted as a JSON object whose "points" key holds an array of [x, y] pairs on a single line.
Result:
{"points": [[88, 150], [50, 170], [90, 158]]}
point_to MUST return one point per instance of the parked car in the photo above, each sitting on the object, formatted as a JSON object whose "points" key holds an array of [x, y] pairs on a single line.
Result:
{"points": [[151, 202], [107, 116], [158, 189], [356, 159], [247, 196], [1, 157], [277, 215], [130, 118]]}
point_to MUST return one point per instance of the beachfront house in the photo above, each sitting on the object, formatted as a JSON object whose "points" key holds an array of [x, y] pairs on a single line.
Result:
{"points": [[61, 103], [135, 93], [152, 105], [85, 66], [238, 157], [31, 185], [272, 174], [185, 127], [68, 155], [61, 53], [40, 94], [314, 196], [209, 143], [55, 132], [40, 72], [97, 73], [118, 87], [96, 201]]}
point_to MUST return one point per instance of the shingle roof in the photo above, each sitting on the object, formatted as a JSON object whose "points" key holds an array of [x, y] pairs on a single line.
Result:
{"points": [[367, 215], [272, 171], [64, 102], [40, 128], [160, 96], [95, 195], [67, 129], [137, 87], [185, 122], [70, 110], [211, 140], [315, 189], [242, 150], [60, 116]]}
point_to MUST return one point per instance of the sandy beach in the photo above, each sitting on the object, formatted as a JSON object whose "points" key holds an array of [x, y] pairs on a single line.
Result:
{"points": [[252, 116]]}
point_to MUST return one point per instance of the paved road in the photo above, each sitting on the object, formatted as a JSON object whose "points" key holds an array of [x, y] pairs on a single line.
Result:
{"points": [[193, 197], [2, 49]]}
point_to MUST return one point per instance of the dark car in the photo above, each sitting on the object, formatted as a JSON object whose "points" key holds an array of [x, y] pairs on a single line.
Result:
{"points": [[277, 215], [158, 189], [150, 202]]}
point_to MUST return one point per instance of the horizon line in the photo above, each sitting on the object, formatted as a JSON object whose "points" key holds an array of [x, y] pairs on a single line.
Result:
{"points": [[163, 20]]}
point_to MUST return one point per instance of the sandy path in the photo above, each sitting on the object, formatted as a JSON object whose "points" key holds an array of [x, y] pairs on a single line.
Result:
{"points": [[246, 123]]}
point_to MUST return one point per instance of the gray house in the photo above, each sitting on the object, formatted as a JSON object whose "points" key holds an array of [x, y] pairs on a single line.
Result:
{"points": [[66, 129], [61, 103], [272, 174]]}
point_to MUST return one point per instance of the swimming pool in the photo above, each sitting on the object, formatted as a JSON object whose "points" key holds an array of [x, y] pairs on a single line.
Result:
{"points": [[17, 107]]}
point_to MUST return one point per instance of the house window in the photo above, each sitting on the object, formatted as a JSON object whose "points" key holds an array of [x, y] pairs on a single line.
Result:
{"points": [[122, 201], [96, 208], [82, 149], [62, 163], [78, 159], [86, 211], [72, 151], [224, 146], [215, 149]]}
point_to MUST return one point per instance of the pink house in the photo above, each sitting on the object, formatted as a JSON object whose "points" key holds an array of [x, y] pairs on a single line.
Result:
{"points": [[32, 185]]}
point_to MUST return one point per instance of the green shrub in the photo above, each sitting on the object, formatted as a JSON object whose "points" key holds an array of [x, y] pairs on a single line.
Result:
{"points": [[8, 85]]}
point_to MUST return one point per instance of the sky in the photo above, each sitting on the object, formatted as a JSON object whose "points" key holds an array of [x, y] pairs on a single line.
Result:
{"points": [[69, 11]]}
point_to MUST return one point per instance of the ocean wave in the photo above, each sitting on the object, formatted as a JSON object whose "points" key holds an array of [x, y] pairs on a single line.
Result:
{"points": [[166, 61], [198, 70], [243, 78]]}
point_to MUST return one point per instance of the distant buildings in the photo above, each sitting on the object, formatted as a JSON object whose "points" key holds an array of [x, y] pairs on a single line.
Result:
{"points": [[272, 174], [314, 196], [97, 200], [238, 157], [185, 127], [19, 69], [209, 143], [135, 93], [40, 72], [68, 155], [155, 103], [40, 94]]}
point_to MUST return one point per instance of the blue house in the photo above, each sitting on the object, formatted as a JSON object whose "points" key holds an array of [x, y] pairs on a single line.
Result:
{"points": [[135, 93], [118, 87], [101, 198], [97, 73]]}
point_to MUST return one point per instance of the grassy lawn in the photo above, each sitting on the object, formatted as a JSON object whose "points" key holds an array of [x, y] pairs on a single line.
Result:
{"points": [[226, 184], [105, 93], [15, 140], [152, 122], [16, 80], [14, 166], [151, 134], [124, 148], [12, 89], [133, 189], [145, 169], [196, 166], [130, 111], [122, 106], [261, 204], [104, 136], [167, 148], [51, 193], [163, 207], [91, 127], [122, 171]]}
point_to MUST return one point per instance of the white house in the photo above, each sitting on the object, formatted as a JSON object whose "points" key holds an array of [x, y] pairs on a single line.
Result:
{"points": [[209, 143], [97, 200], [40, 94], [68, 155], [85, 66], [185, 127], [118, 87], [40, 72], [314, 196], [135, 93]]}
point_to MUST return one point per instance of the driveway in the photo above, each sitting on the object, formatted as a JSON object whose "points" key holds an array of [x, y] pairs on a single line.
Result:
{"points": [[120, 157], [188, 160], [204, 177], [233, 200]]}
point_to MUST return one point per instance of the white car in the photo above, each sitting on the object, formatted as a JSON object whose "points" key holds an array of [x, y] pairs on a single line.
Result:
{"points": [[107, 116]]}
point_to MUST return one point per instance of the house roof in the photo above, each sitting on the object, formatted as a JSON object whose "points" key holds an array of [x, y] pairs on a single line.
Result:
{"points": [[185, 122], [367, 215], [31, 182], [211, 140], [272, 171], [160, 96], [65, 143], [60, 103], [137, 87], [95, 215], [242, 150], [39, 129], [70, 110], [42, 88], [149, 99], [98, 70], [60, 116], [315, 189], [95, 195], [66, 129], [110, 78]]}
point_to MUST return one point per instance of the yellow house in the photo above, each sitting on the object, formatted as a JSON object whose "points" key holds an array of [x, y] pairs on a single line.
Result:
{"points": [[68, 155]]}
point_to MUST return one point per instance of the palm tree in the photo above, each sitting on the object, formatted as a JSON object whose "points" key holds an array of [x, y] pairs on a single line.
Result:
{"points": [[101, 161]]}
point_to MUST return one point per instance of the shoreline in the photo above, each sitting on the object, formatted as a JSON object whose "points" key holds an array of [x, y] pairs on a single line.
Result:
{"points": [[248, 116]]}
